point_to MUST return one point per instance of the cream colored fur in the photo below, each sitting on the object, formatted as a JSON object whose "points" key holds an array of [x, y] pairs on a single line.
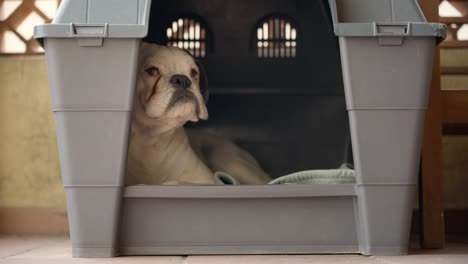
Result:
{"points": [[161, 151]]}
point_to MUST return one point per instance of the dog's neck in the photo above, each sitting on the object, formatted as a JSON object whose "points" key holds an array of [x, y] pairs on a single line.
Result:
{"points": [[156, 131], [167, 149]]}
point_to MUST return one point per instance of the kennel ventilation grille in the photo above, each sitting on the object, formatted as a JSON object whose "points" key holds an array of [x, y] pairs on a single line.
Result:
{"points": [[188, 33], [276, 37]]}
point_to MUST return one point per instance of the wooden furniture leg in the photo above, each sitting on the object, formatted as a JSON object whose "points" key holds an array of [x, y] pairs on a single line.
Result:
{"points": [[431, 196]]}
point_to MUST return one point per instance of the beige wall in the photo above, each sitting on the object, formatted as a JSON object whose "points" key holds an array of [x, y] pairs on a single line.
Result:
{"points": [[29, 167], [455, 148], [454, 58], [456, 171]]}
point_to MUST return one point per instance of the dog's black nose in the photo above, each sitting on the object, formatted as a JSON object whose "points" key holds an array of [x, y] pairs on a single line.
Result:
{"points": [[180, 81]]}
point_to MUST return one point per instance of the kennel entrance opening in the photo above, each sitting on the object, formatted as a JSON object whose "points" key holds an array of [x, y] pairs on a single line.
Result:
{"points": [[288, 112]]}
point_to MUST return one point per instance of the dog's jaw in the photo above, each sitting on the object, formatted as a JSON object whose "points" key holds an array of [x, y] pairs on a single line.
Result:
{"points": [[184, 110], [203, 113], [183, 101], [188, 104]]}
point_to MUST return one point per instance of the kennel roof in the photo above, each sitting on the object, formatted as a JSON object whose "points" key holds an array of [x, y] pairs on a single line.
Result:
{"points": [[130, 19]]}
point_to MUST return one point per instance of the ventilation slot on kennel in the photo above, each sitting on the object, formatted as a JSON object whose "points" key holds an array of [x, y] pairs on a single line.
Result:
{"points": [[188, 33], [277, 37], [343, 72]]}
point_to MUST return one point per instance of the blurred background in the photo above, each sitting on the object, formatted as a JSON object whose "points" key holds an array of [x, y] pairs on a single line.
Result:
{"points": [[31, 195]]}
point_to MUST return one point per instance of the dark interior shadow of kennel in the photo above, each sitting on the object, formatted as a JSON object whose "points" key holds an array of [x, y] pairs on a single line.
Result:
{"points": [[289, 112]]}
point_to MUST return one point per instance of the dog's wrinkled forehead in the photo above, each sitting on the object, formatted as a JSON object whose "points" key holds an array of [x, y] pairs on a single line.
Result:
{"points": [[168, 59]]}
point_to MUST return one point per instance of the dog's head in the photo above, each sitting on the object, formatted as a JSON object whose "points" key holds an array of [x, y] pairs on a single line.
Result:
{"points": [[171, 86]]}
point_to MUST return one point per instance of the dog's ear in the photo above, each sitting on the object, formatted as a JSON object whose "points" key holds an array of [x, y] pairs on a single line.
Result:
{"points": [[203, 82]]}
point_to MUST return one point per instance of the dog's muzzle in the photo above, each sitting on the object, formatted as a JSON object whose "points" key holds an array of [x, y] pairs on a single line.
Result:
{"points": [[182, 94], [180, 81]]}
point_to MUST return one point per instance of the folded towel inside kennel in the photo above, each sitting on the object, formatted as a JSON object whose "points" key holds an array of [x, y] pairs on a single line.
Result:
{"points": [[342, 175], [284, 109]]}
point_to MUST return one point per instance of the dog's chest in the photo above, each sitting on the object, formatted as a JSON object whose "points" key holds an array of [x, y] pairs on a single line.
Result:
{"points": [[171, 160], [146, 164]]}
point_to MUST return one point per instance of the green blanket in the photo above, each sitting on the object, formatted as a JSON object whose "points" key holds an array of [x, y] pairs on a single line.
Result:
{"points": [[342, 175]]}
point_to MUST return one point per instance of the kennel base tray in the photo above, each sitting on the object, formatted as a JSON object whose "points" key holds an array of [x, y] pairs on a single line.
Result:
{"points": [[238, 250], [231, 220]]}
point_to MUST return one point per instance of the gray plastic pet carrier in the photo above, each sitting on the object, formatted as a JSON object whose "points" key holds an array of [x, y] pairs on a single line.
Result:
{"points": [[362, 66]]}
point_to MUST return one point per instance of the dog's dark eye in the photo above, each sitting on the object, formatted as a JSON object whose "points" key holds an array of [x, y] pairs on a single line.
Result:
{"points": [[152, 71], [194, 73]]}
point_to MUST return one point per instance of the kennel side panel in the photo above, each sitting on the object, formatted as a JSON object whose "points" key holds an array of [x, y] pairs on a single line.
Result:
{"points": [[92, 93], [387, 81], [385, 218], [378, 75], [92, 78], [387, 145], [238, 226], [93, 147], [93, 215]]}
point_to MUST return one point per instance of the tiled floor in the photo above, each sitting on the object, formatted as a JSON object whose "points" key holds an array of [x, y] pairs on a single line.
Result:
{"points": [[56, 250]]}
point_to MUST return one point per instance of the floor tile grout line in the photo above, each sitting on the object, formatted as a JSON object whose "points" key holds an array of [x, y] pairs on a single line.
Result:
{"points": [[380, 260], [20, 253], [44, 245], [183, 260]]}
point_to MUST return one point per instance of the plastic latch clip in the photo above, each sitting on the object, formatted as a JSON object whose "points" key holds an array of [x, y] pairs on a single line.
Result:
{"points": [[89, 35], [89, 30], [394, 29], [392, 34]]}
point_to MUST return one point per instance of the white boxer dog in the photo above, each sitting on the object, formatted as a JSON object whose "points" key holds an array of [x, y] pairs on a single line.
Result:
{"points": [[171, 90]]}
